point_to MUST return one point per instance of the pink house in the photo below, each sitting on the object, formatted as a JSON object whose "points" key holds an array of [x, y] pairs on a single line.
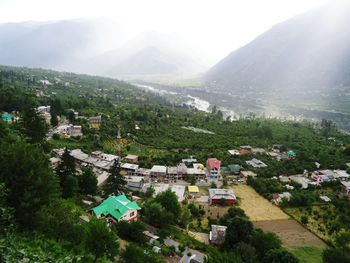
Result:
{"points": [[213, 168]]}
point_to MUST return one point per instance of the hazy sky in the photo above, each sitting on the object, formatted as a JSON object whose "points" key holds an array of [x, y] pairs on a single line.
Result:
{"points": [[216, 26]]}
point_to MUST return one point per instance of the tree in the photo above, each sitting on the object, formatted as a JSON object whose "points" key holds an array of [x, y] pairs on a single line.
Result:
{"points": [[115, 183], [66, 167], [264, 242], [223, 201], [156, 214], [192, 179], [88, 182], [135, 254], [66, 173], [70, 187], [168, 200], [33, 125], [222, 257], [335, 255], [304, 219], [149, 192], [60, 220], [279, 255], [71, 116], [238, 229], [54, 118], [131, 231], [342, 240], [246, 252], [100, 240], [26, 173], [6, 213], [213, 185], [185, 217], [232, 212]]}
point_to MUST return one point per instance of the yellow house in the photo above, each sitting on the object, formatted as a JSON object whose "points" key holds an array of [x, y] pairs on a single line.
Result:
{"points": [[95, 122]]}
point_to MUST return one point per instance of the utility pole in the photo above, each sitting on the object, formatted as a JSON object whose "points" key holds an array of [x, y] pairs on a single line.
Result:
{"points": [[119, 141]]}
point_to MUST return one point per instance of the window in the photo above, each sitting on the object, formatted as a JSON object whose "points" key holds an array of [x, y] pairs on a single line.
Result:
{"points": [[132, 214]]}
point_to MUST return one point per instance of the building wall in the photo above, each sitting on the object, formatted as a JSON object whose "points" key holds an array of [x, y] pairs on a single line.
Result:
{"points": [[216, 201], [130, 215]]}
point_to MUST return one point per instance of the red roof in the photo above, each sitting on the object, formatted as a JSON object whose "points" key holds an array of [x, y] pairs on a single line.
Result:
{"points": [[213, 163], [245, 152]]}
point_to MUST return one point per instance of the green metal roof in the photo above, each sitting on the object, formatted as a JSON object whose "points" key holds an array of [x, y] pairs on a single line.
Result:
{"points": [[6, 117], [115, 206], [234, 168], [291, 153]]}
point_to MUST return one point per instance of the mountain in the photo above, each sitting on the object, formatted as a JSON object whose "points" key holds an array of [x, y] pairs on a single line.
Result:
{"points": [[96, 46], [306, 53], [54, 44], [149, 53]]}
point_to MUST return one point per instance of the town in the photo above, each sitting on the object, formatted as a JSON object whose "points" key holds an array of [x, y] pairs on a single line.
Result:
{"points": [[117, 182]]}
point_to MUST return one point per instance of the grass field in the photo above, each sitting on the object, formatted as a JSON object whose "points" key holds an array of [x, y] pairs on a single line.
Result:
{"points": [[318, 218], [257, 207], [307, 254]]}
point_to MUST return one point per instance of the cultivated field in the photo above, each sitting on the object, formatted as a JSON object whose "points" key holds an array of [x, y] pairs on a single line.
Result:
{"points": [[256, 206], [291, 233]]}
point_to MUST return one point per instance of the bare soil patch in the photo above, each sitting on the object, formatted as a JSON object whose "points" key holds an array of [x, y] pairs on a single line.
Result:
{"points": [[291, 233]]}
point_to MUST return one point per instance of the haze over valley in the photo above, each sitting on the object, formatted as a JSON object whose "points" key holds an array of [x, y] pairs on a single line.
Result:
{"points": [[297, 69]]}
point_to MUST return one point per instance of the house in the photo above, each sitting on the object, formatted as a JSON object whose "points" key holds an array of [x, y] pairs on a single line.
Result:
{"points": [[258, 151], [43, 109], [69, 130], [325, 198], [346, 187], [105, 156], [233, 152], [276, 148], [291, 154], [232, 169], [278, 198], [144, 172], [54, 162], [74, 130], [95, 122], [198, 171], [189, 161], [193, 190], [117, 208], [130, 158], [245, 174], [217, 195], [213, 168], [179, 190], [176, 172], [135, 182], [217, 234], [284, 179], [158, 171], [341, 174], [102, 176], [130, 168], [300, 179], [245, 152], [256, 163], [79, 155], [150, 237], [6, 117]]}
